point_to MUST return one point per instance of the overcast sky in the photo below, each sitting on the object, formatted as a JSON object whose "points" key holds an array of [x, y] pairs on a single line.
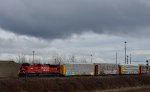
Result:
{"points": [[75, 28]]}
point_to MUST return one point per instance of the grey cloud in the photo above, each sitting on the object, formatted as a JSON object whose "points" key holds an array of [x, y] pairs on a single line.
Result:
{"points": [[57, 19], [13, 44]]}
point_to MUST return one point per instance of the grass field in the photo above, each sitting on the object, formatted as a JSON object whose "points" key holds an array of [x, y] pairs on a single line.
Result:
{"points": [[77, 84]]}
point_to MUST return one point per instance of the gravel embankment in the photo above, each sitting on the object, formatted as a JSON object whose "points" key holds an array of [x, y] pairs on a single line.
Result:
{"points": [[75, 84]]}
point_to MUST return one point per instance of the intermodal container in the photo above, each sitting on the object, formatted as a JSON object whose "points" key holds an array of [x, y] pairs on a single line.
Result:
{"points": [[77, 69]]}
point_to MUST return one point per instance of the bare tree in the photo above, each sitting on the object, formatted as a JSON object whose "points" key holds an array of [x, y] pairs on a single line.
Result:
{"points": [[11, 59], [83, 60], [57, 59], [21, 58], [72, 59]]}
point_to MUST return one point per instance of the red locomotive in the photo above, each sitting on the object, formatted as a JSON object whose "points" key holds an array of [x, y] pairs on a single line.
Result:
{"points": [[39, 70]]}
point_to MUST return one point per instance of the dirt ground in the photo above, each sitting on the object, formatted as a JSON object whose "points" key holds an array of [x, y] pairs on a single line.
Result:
{"points": [[77, 84]]}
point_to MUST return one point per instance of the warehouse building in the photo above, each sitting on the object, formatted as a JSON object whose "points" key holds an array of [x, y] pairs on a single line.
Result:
{"points": [[9, 69]]}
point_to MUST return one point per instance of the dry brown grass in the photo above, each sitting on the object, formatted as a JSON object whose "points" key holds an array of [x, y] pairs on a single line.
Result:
{"points": [[73, 84], [129, 89]]}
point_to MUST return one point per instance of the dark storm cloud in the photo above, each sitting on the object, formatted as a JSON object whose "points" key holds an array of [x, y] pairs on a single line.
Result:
{"points": [[61, 18]]}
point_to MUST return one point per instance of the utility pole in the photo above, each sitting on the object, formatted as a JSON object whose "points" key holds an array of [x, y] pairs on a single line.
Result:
{"points": [[116, 57], [125, 51], [127, 59], [91, 58], [130, 58], [33, 55]]}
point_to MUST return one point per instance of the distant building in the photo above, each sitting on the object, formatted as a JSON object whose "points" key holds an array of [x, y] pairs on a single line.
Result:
{"points": [[8, 68]]}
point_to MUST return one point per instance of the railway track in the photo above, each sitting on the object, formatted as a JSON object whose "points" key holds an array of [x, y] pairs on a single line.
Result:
{"points": [[72, 77]]}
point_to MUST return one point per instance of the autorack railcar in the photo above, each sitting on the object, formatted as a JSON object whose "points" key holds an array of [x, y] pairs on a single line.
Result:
{"points": [[77, 69], [144, 69], [106, 69], [129, 69]]}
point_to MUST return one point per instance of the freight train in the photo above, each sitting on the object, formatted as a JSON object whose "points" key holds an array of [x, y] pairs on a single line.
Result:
{"points": [[97, 69]]}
